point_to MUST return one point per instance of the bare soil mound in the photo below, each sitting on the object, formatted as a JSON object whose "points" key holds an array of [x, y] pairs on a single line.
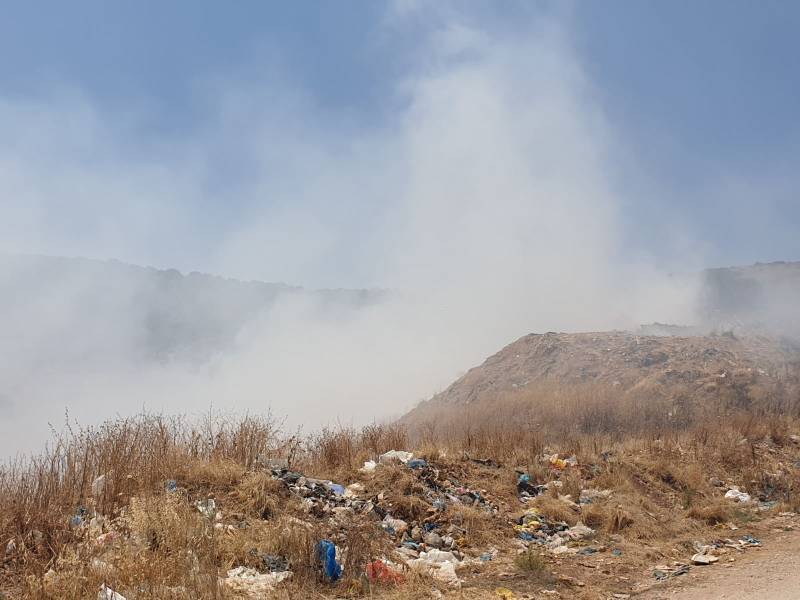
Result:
{"points": [[739, 371]]}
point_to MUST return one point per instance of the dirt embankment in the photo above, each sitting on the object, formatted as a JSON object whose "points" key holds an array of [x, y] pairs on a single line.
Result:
{"points": [[691, 369]]}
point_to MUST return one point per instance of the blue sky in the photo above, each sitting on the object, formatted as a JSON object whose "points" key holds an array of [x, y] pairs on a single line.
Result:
{"points": [[699, 101]]}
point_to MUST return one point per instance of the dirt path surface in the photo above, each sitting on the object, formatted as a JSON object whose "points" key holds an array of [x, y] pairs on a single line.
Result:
{"points": [[768, 573]]}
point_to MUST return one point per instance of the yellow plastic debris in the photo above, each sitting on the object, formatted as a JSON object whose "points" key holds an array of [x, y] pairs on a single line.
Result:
{"points": [[505, 593]]}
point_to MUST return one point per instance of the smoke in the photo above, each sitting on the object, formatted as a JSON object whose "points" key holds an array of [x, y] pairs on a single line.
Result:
{"points": [[486, 204]]}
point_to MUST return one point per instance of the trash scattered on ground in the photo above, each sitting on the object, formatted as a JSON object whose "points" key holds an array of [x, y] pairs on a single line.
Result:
{"points": [[207, 508], [749, 540], [491, 554], [736, 495], [270, 562], [336, 489], [427, 516], [369, 466], [251, 583], [526, 489], [767, 505], [79, 518], [704, 559], [533, 526], [326, 554], [106, 593], [561, 463], [662, 572], [379, 571], [438, 564], [395, 456], [394, 526], [579, 532]]}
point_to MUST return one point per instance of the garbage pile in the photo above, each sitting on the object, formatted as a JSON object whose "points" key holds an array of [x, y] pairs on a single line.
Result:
{"points": [[321, 497], [427, 545], [555, 536], [527, 489]]}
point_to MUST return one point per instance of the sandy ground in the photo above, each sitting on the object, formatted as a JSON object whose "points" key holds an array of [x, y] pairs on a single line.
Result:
{"points": [[768, 573]]}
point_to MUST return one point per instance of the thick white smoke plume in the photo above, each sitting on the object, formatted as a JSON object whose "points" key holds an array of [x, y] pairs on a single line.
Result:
{"points": [[486, 207]]}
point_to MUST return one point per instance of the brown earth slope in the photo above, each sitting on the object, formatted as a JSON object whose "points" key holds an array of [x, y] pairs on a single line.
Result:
{"points": [[736, 370]]}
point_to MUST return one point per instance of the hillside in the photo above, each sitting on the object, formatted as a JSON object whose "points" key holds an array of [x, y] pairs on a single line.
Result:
{"points": [[699, 368], [74, 308], [77, 308]]}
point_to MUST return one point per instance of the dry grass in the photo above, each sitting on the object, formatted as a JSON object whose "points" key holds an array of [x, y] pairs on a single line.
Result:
{"points": [[659, 474], [713, 513]]}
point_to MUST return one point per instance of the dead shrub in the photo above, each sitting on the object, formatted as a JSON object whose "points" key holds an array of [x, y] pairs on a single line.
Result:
{"points": [[215, 473], [711, 514], [480, 527], [534, 564], [594, 516], [555, 510], [259, 494], [619, 520]]}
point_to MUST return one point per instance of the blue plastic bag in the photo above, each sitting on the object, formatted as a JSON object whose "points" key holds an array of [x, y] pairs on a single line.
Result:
{"points": [[326, 553], [336, 489]]}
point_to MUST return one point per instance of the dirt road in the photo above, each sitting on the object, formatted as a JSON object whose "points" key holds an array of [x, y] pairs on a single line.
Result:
{"points": [[768, 573]]}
